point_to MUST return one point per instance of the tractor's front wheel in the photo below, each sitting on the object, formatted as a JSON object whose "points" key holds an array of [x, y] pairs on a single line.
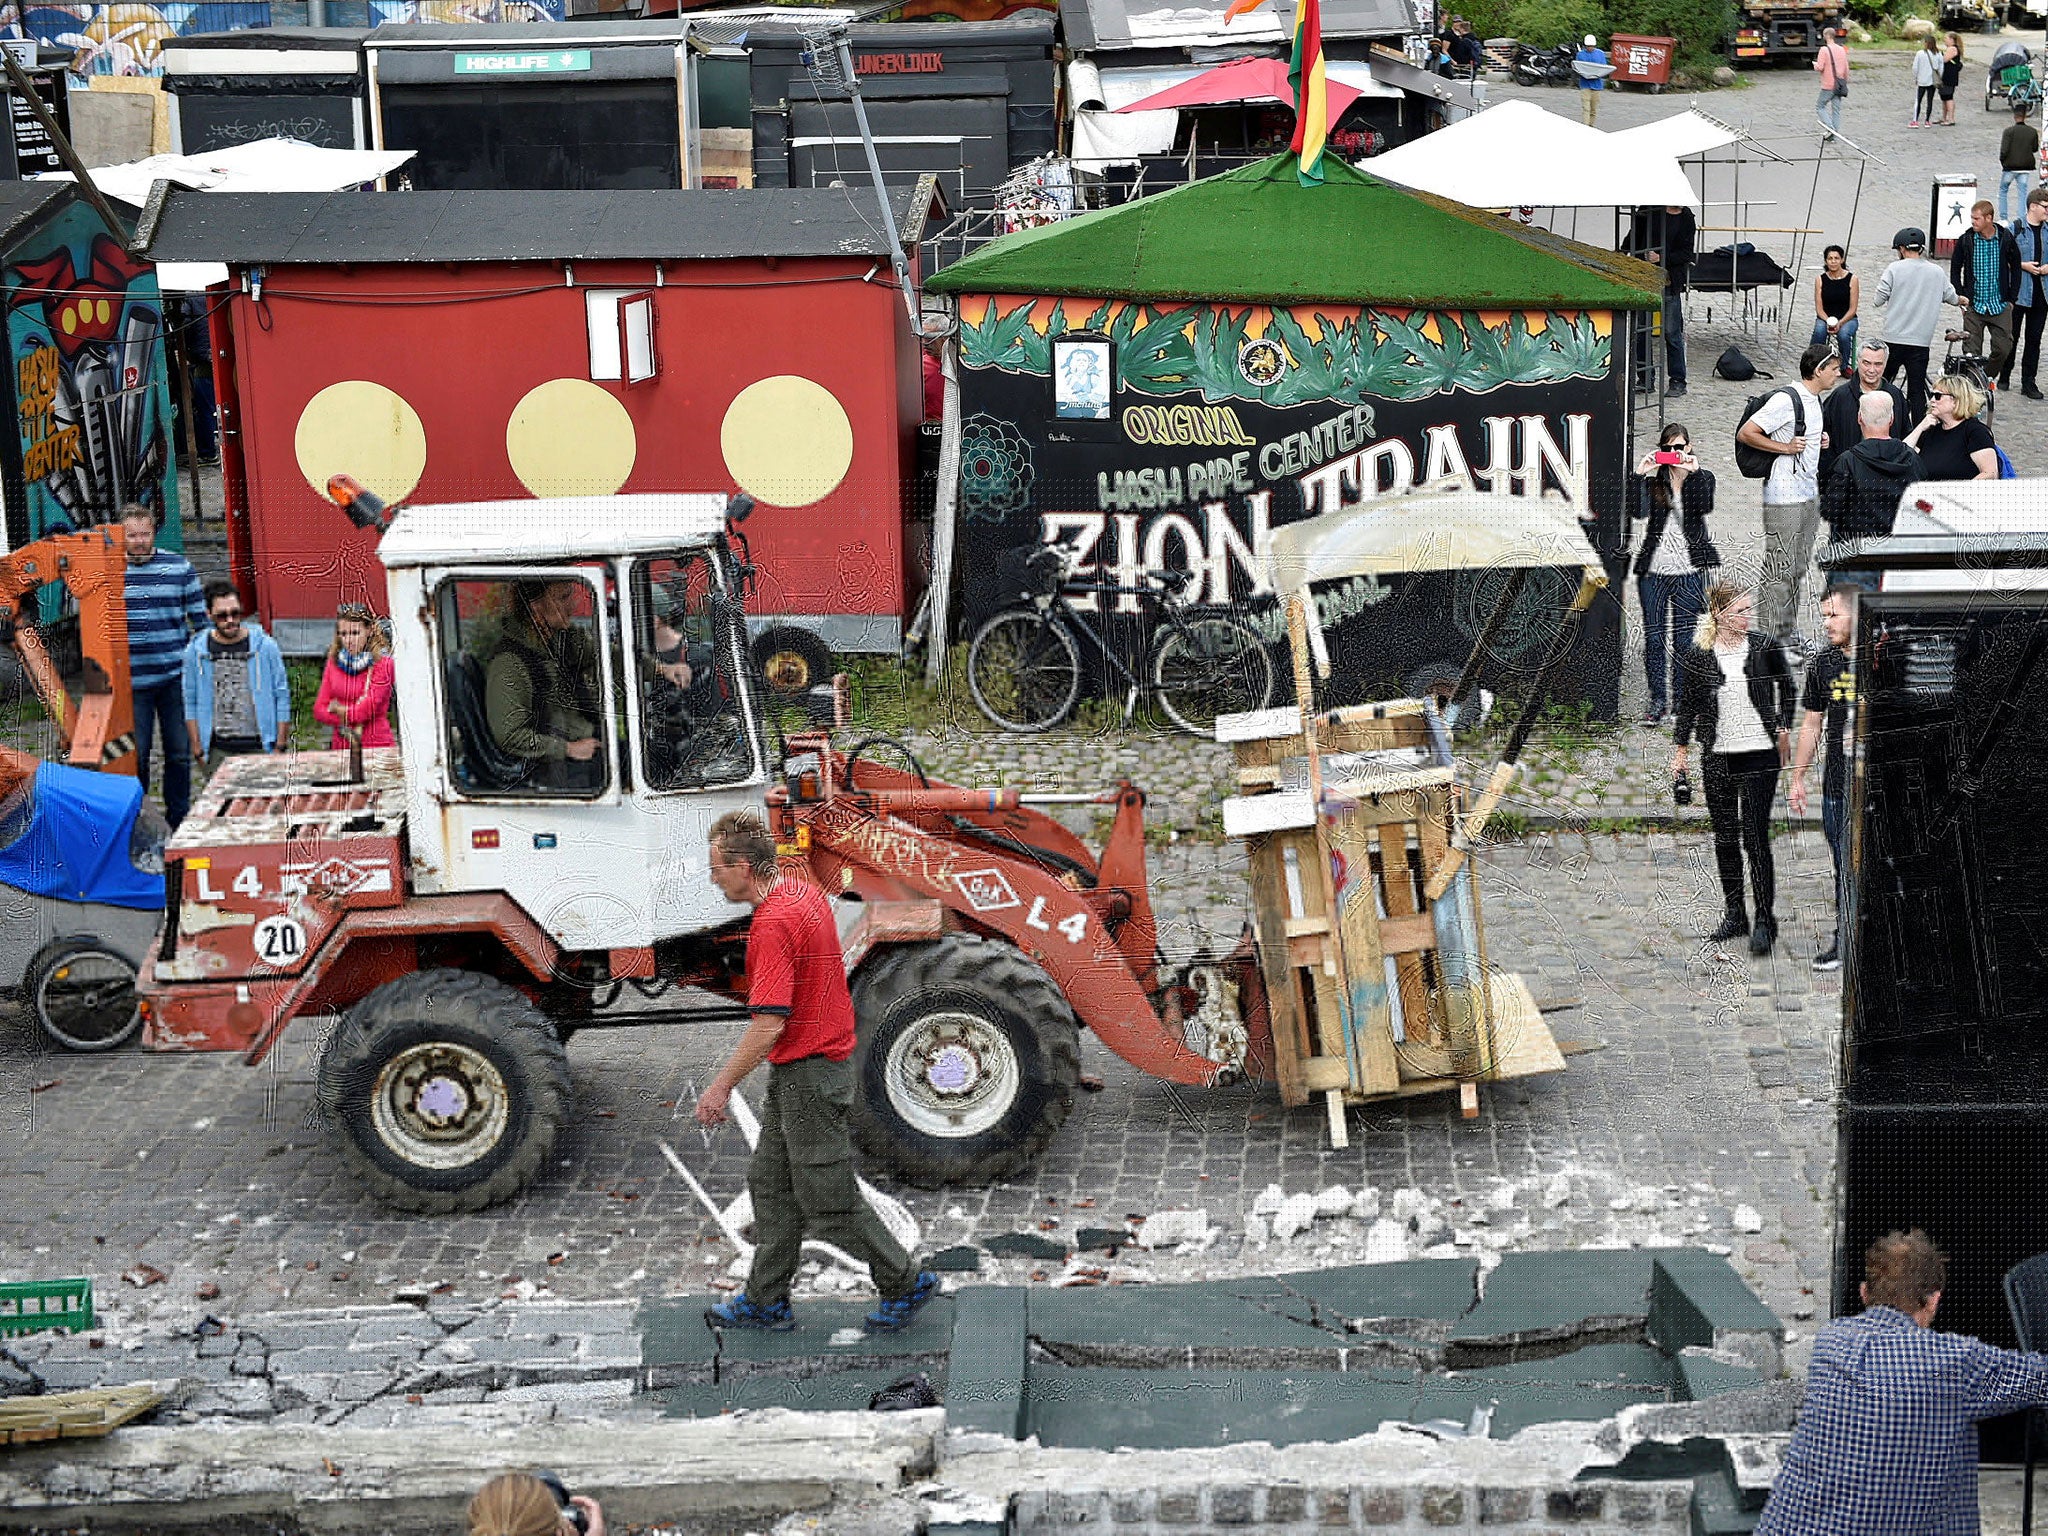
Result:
{"points": [[449, 1088], [967, 1061]]}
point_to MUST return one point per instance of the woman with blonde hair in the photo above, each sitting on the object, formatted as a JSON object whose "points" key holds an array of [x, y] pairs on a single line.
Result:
{"points": [[1953, 440], [521, 1504], [1736, 692], [1951, 75]]}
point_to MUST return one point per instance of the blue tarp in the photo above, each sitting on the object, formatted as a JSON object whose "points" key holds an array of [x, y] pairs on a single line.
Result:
{"points": [[70, 840]]}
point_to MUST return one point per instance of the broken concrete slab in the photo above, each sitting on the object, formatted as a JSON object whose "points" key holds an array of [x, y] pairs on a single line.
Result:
{"points": [[830, 1335], [1259, 1318], [1112, 1409], [1386, 1298], [346, 1480], [1027, 1245], [827, 1392], [1698, 1301], [1544, 1303], [989, 1361]]}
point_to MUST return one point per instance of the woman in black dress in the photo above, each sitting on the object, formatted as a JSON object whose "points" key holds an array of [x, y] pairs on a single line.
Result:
{"points": [[1951, 74], [1736, 692], [1953, 441], [1837, 296]]}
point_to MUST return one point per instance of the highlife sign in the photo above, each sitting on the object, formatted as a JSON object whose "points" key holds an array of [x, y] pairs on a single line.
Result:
{"points": [[566, 61]]}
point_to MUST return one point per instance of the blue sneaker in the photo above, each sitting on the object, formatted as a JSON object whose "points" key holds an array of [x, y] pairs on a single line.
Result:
{"points": [[743, 1312], [895, 1313]]}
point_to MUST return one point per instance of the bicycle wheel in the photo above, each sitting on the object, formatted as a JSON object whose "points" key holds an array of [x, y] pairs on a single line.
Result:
{"points": [[1024, 670], [1210, 667]]}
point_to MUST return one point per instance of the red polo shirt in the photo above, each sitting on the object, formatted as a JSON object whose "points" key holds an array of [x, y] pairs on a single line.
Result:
{"points": [[794, 968]]}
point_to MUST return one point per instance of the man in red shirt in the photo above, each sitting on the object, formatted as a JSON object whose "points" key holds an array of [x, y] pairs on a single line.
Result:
{"points": [[802, 1176]]}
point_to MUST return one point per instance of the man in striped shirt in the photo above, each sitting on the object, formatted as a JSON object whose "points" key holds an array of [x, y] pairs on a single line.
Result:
{"points": [[165, 606]]}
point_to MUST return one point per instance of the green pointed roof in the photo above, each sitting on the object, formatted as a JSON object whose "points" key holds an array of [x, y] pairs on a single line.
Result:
{"points": [[1258, 236]]}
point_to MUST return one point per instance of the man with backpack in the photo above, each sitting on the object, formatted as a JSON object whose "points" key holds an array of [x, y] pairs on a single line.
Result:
{"points": [[1783, 436], [1911, 294]]}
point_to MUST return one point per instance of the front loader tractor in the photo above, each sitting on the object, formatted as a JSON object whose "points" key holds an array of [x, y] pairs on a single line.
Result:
{"points": [[576, 707]]}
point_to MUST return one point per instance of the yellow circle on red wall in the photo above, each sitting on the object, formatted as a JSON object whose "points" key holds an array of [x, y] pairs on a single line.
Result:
{"points": [[787, 441], [365, 430], [570, 437]]}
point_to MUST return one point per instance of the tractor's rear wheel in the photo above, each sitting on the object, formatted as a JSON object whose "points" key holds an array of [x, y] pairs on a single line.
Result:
{"points": [[449, 1088], [967, 1062]]}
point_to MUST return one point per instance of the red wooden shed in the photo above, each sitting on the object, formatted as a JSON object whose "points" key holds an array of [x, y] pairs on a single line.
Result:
{"points": [[462, 346]]}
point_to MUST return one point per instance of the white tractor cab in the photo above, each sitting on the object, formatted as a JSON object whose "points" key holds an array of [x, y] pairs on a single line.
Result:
{"points": [[591, 817]]}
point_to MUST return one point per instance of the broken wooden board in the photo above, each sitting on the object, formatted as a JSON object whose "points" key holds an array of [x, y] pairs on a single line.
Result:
{"points": [[76, 1415]]}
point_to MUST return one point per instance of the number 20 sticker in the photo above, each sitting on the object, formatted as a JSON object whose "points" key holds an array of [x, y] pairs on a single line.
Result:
{"points": [[280, 941]]}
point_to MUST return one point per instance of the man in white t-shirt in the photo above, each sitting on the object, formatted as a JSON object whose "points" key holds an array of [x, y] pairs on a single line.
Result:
{"points": [[1789, 425]]}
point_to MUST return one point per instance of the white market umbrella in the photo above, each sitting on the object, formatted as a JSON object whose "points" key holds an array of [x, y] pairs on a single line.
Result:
{"points": [[1517, 155]]}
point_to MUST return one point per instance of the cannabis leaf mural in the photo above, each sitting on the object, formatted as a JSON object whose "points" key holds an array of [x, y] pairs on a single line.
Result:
{"points": [[1369, 354]]}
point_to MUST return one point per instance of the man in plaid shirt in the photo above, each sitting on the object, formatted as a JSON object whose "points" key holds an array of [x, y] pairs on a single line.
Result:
{"points": [[1887, 1436]]}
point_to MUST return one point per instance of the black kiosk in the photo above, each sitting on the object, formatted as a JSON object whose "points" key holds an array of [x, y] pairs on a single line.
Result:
{"points": [[1942, 1109]]}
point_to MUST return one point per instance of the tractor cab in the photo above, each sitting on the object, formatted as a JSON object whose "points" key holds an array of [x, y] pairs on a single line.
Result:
{"points": [[574, 705]]}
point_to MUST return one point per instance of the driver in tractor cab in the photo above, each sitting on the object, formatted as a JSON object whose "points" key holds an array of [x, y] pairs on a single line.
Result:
{"points": [[684, 662], [540, 689]]}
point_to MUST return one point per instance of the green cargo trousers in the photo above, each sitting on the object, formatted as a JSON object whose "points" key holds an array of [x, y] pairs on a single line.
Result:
{"points": [[803, 1185]]}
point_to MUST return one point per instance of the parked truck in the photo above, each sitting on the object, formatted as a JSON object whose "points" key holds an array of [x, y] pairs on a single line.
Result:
{"points": [[1781, 29]]}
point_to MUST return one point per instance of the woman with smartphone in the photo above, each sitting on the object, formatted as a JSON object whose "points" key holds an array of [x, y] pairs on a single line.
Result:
{"points": [[1735, 691], [1671, 568]]}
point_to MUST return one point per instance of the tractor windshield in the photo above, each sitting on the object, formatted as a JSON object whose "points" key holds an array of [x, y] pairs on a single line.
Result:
{"points": [[526, 694], [693, 720]]}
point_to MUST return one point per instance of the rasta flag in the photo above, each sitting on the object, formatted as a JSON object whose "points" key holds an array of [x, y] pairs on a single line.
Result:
{"points": [[1306, 73]]}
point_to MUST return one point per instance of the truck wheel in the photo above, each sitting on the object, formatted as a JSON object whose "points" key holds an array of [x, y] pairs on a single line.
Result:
{"points": [[84, 996], [967, 1061], [449, 1088], [792, 659]]}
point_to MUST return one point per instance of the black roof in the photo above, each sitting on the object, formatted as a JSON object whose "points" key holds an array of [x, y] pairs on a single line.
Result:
{"points": [[24, 203], [319, 39], [471, 36], [282, 228]]}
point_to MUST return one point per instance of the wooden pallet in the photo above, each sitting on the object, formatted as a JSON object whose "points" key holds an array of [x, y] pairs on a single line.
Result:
{"points": [[1374, 990], [75, 1415]]}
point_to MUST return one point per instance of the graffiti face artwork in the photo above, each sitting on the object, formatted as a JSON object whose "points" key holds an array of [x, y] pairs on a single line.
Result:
{"points": [[85, 330]]}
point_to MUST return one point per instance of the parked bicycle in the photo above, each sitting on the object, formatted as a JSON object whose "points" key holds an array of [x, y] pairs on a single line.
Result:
{"points": [[1024, 664]]}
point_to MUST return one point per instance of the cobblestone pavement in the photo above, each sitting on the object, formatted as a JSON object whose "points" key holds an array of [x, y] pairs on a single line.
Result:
{"points": [[1705, 1115]]}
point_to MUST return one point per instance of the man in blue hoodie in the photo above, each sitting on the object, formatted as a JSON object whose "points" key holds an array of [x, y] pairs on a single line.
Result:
{"points": [[1593, 83], [237, 696], [1887, 1437]]}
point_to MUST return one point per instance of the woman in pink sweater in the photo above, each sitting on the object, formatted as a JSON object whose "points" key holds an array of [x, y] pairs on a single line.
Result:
{"points": [[355, 690]]}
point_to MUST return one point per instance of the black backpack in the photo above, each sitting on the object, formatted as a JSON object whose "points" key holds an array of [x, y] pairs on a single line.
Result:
{"points": [[1736, 368], [1755, 463]]}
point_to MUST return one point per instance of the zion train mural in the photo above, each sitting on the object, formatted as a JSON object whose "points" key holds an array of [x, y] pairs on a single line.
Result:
{"points": [[85, 331], [1179, 433]]}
